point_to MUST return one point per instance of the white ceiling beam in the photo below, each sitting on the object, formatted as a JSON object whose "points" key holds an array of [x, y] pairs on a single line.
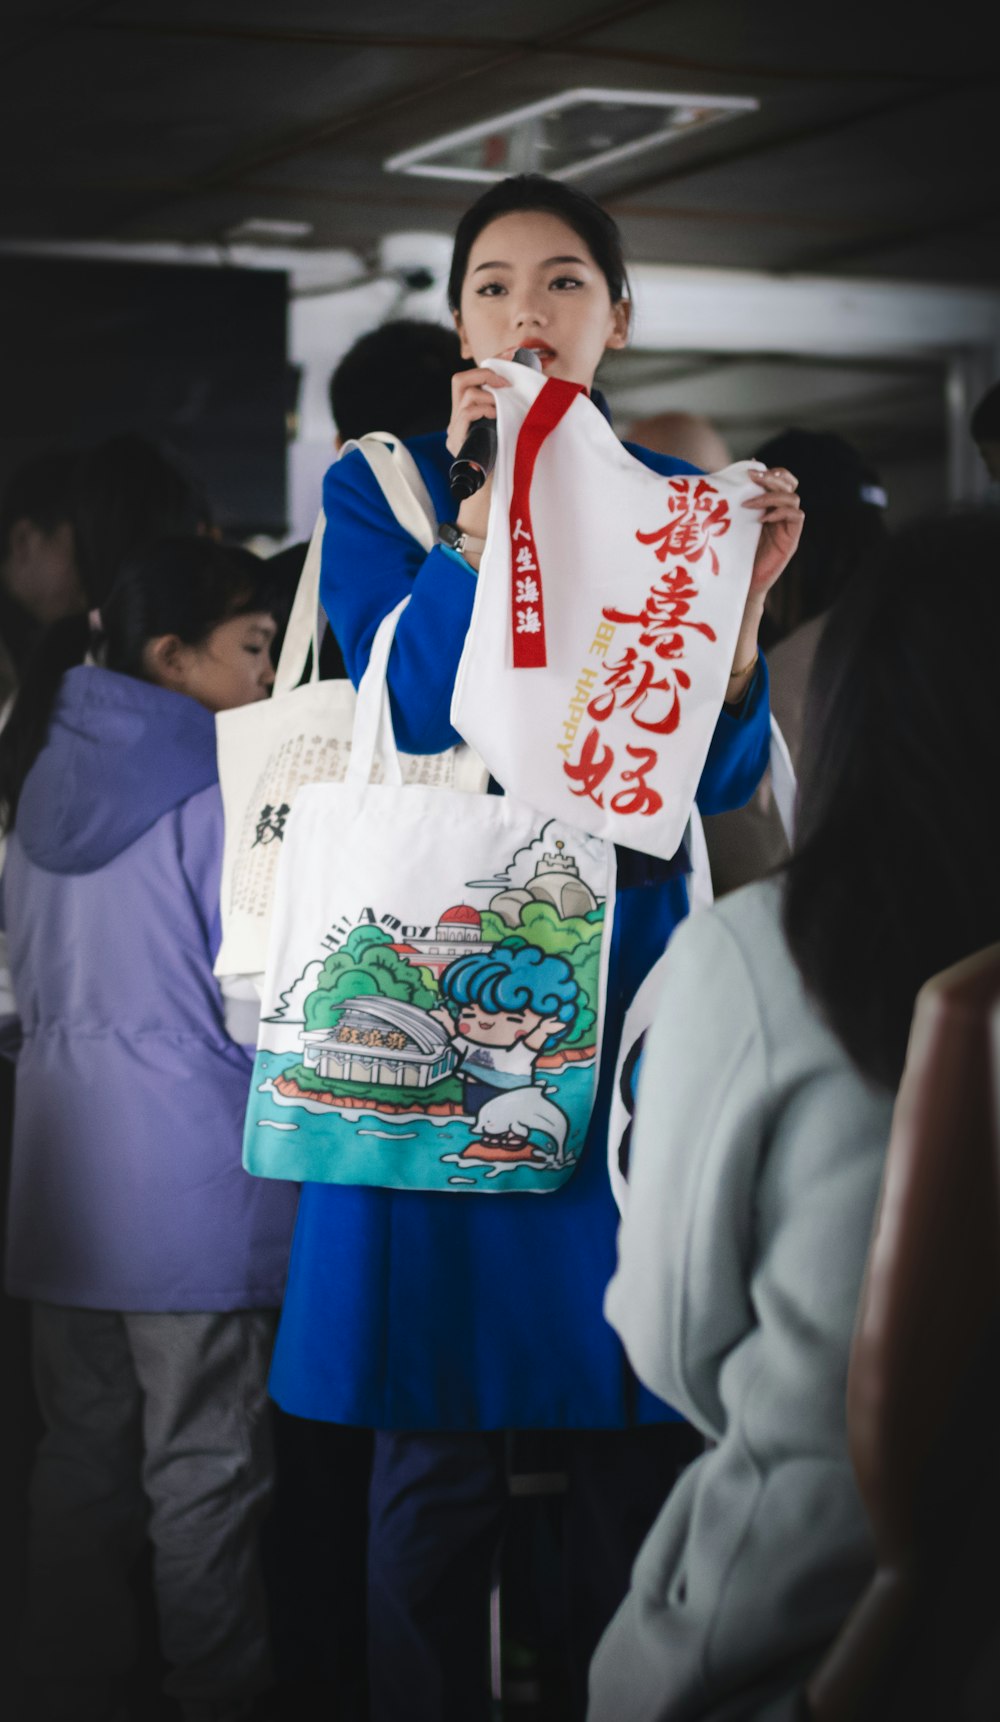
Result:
{"points": [[742, 311]]}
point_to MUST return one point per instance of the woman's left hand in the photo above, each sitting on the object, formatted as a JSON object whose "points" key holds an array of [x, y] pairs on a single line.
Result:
{"points": [[781, 526]]}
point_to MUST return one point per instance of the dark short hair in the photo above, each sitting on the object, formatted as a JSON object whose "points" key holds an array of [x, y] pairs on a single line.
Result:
{"points": [[893, 875], [396, 378], [128, 497], [533, 191], [39, 490], [985, 421]]}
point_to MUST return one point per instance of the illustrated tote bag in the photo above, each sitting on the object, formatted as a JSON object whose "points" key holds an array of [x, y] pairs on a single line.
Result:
{"points": [[434, 995], [302, 734], [607, 611]]}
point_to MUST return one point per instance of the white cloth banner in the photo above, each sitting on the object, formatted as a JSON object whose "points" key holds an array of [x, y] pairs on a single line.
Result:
{"points": [[607, 611]]}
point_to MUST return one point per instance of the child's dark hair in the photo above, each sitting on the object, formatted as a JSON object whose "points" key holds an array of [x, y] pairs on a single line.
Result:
{"points": [[894, 874], [533, 191], [184, 586]]}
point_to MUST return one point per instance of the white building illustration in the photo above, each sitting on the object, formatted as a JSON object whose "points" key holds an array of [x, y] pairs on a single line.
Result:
{"points": [[459, 933], [556, 880], [380, 1040]]}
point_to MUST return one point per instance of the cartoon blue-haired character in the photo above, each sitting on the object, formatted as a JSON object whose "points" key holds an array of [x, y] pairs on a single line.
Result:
{"points": [[507, 1006]]}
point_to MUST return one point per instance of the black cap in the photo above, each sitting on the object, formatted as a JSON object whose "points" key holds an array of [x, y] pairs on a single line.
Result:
{"points": [[831, 474]]}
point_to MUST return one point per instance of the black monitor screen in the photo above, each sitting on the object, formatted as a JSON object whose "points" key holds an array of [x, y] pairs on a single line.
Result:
{"points": [[193, 358]]}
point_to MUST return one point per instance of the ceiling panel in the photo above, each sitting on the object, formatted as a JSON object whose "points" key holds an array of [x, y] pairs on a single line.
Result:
{"points": [[851, 41], [177, 119], [432, 18]]}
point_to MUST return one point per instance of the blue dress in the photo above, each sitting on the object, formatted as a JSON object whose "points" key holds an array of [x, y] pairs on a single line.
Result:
{"points": [[413, 1310]]}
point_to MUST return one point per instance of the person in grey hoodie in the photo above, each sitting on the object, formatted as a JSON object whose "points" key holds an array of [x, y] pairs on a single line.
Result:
{"points": [[764, 1107], [153, 1263]]}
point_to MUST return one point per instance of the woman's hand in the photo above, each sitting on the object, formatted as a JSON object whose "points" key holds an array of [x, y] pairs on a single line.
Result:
{"points": [[781, 527], [471, 400]]}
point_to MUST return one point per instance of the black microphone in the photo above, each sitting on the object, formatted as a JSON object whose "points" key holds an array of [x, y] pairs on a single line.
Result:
{"points": [[478, 454]]}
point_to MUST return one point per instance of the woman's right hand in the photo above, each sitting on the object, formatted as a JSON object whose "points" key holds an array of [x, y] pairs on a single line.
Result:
{"points": [[471, 400]]}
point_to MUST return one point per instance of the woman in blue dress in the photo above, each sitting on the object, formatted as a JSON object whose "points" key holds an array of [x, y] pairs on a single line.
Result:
{"points": [[441, 1323]]}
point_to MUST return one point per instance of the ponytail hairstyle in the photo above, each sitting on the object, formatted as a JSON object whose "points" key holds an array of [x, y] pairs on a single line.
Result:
{"points": [[894, 874], [184, 586]]}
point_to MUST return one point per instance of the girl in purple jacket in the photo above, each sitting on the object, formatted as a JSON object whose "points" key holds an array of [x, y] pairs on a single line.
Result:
{"points": [[153, 1263]]}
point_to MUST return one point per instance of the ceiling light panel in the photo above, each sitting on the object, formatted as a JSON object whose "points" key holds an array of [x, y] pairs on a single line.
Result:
{"points": [[568, 135]]}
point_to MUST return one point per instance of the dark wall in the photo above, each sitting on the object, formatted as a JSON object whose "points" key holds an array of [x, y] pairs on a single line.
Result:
{"points": [[193, 358]]}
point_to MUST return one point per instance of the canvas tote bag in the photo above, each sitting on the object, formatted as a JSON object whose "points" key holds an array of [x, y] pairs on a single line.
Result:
{"points": [[607, 610], [434, 995], [302, 734]]}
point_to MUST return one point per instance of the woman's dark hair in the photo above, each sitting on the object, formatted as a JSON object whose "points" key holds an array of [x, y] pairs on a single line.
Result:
{"points": [[533, 191], [894, 877], [184, 586], [128, 497]]}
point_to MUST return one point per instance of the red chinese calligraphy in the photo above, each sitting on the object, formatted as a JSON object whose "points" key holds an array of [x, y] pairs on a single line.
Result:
{"points": [[633, 684], [589, 771], [698, 516], [641, 797], [665, 613], [592, 768]]}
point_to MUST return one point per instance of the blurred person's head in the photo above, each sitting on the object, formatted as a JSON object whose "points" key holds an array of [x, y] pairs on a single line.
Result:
{"points": [[128, 497], [844, 503], [893, 876], [37, 555], [985, 428], [396, 378], [686, 436], [187, 615]]}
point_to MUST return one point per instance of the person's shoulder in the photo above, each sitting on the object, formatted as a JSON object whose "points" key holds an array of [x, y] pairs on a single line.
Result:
{"points": [[735, 953], [752, 915], [667, 465]]}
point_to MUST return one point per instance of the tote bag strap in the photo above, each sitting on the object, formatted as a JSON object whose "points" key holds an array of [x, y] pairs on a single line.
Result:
{"points": [[373, 733], [399, 480], [307, 623], [784, 788], [783, 781]]}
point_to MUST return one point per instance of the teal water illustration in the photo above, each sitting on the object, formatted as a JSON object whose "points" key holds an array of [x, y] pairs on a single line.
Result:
{"points": [[299, 1138]]}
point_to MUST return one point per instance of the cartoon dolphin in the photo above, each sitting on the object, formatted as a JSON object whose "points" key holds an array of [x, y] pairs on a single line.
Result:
{"points": [[514, 1112]]}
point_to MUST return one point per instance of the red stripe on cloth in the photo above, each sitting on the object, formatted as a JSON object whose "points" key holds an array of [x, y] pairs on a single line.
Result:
{"points": [[527, 610]]}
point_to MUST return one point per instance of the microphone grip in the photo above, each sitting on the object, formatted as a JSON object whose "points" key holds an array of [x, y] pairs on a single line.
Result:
{"points": [[478, 454], [475, 460]]}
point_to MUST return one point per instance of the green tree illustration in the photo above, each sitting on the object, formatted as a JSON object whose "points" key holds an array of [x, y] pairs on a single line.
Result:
{"points": [[365, 966], [542, 925]]}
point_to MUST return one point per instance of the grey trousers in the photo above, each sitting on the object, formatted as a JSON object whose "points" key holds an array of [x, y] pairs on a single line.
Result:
{"points": [[155, 1425]]}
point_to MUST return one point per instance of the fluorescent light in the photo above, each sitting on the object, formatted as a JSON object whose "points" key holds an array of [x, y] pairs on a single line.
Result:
{"points": [[262, 227], [568, 135]]}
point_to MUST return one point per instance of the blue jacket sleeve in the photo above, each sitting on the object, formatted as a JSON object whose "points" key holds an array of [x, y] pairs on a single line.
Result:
{"points": [[369, 563], [739, 751]]}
